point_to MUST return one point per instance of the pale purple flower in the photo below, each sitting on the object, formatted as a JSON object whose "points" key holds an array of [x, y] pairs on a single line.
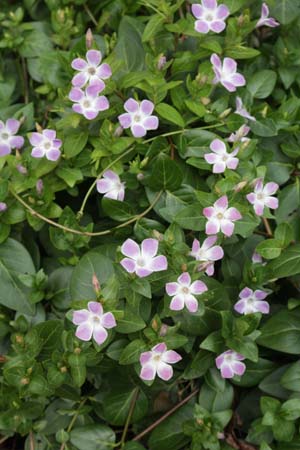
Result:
{"points": [[142, 261], [257, 259], [111, 186], [220, 217], [262, 196], [157, 361], [240, 135], [21, 169], [252, 302], [88, 102], [265, 20], [90, 70], [92, 322], [3, 206], [8, 138], [208, 253], [241, 110], [220, 158], [226, 74], [229, 363], [210, 16], [45, 144], [138, 117], [184, 291]]}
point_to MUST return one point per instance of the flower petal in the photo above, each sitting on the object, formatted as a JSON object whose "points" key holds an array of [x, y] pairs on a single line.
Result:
{"points": [[184, 279], [177, 303], [238, 367], [100, 334], [227, 371], [149, 247], [270, 188], [171, 357], [145, 357], [148, 372], [138, 130], [218, 146], [104, 186], [53, 154], [159, 263], [79, 64], [172, 288], [84, 331], [210, 4], [212, 226], [215, 253], [16, 141], [4, 149], [93, 57], [131, 105], [12, 125], [80, 316], [197, 10], [147, 107], [198, 287], [222, 12], [217, 26], [128, 264], [76, 94], [233, 214], [164, 371], [80, 79], [125, 120], [131, 249], [95, 308], [201, 26], [37, 152], [108, 320], [104, 71], [151, 123], [191, 303], [227, 227]]}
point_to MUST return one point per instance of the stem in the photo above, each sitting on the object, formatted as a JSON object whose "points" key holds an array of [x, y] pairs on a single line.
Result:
{"points": [[86, 233], [165, 416], [90, 14], [267, 227], [80, 212], [131, 409], [171, 133], [74, 418], [25, 80], [4, 439], [31, 441]]}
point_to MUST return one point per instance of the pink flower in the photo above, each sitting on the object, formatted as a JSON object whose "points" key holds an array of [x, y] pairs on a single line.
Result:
{"points": [[111, 186], [183, 293], [3, 207], [210, 16], [241, 110], [220, 217], [230, 364], [240, 135], [265, 20], [252, 302], [226, 74], [257, 259], [138, 117], [93, 323], [157, 361], [220, 158], [8, 140], [262, 196], [207, 253], [45, 144], [142, 261], [88, 102], [90, 71]]}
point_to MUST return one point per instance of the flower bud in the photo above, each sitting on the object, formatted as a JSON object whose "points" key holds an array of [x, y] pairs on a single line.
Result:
{"points": [[163, 330], [77, 350], [205, 100], [96, 284], [3, 206], [140, 176], [89, 38], [118, 131], [240, 186], [225, 113], [21, 169], [161, 62], [24, 381], [39, 186]]}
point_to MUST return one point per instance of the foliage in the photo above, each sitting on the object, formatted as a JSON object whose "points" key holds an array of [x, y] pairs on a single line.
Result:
{"points": [[61, 240]]}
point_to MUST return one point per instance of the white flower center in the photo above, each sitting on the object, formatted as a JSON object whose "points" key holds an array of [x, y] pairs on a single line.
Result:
{"points": [[185, 290], [225, 157], [209, 17], [156, 358], [220, 216], [92, 70], [137, 118], [228, 358], [5, 136], [260, 196], [141, 262], [47, 145], [96, 319], [86, 104]]}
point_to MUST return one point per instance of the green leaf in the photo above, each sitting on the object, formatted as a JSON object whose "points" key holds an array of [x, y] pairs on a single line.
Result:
{"points": [[116, 405], [49, 333], [264, 127], [93, 437], [78, 370], [69, 175], [170, 114], [75, 142], [262, 83], [291, 377], [165, 174], [291, 409], [119, 211], [288, 264], [282, 332], [14, 261], [93, 262], [270, 248], [284, 233], [216, 394], [241, 52], [153, 27], [130, 323], [285, 11], [129, 50], [132, 351], [191, 218]]}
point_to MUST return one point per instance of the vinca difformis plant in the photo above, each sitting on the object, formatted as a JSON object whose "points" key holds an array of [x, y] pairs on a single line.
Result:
{"points": [[149, 225]]}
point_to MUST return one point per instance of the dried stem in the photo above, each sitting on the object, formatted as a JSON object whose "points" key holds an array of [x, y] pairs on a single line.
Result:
{"points": [[267, 227], [165, 416], [131, 409]]}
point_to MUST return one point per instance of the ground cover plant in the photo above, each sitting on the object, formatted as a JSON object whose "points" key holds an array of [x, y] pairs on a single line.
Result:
{"points": [[149, 225]]}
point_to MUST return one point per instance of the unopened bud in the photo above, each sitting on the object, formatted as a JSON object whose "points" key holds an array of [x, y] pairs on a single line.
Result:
{"points": [[157, 235], [3, 206], [77, 350], [140, 176], [118, 131], [240, 186], [203, 266], [201, 79], [161, 62], [29, 371], [184, 267], [96, 284], [241, 20], [144, 162], [39, 186], [38, 127], [21, 169], [205, 100], [199, 421], [19, 339], [89, 38], [63, 369], [225, 113], [220, 435], [163, 330], [24, 381], [154, 325]]}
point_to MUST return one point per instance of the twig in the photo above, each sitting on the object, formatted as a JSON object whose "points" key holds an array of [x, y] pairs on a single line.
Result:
{"points": [[165, 416], [267, 227], [25, 81], [31, 441], [172, 148], [74, 418], [130, 412], [90, 14], [85, 233], [4, 439]]}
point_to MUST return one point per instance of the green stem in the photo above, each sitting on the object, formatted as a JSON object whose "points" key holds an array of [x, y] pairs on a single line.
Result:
{"points": [[74, 418], [130, 412], [80, 212], [90, 14]]}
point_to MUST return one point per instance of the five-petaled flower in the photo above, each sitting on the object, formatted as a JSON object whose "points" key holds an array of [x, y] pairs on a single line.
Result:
{"points": [[88, 102], [207, 254], [220, 217], [229, 363], [90, 70], [226, 74], [138, 117], [262, 196], [265, 20], [142, 261], [220, 158], [252, 302], [240, 135], [241, 110], [45, 144], [8, 139], [184, 291], [92, 322], [157, 361], [210, 16], [111, 186]]}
